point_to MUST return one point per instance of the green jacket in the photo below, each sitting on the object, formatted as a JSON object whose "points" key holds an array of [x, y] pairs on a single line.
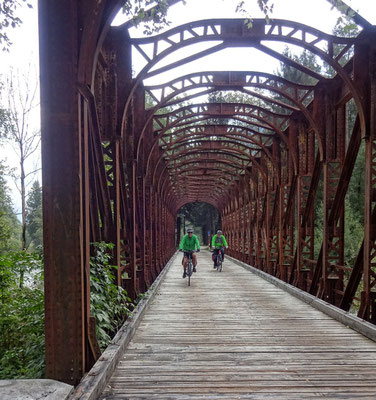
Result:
{"points": [[219, 241], [189, 244]]}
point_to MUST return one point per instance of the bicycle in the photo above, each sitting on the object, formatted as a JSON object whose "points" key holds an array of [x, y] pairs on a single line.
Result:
{"points": [[189, 269], [219, 260]]}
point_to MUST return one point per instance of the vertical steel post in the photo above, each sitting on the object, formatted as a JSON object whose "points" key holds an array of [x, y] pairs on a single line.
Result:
{"points": [[65, 192]]}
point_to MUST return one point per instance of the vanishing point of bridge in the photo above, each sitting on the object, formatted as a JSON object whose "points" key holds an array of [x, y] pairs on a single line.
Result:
{"points": [[122, 154]]}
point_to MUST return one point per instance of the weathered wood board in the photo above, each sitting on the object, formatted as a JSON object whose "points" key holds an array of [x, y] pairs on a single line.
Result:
{"points": [[231, 335]]}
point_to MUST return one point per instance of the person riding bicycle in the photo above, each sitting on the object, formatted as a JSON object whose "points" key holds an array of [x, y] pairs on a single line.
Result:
{"points": [[219, 243], [189, 243]]}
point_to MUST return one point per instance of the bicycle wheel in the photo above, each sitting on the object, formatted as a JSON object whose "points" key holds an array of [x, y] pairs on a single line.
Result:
{"points": [[219, 268], [218, 261], [189, 271]]}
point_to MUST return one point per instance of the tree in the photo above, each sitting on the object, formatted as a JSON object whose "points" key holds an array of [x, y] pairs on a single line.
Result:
{"points": [[266, 6], [9, 19], [203, 216], [9, 224], [21, 101], [34, 222], [153, 19], [307, 59]]}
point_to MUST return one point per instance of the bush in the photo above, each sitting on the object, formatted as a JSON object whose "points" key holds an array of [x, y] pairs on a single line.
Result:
{"points": [[110, 304], [21, 317]]}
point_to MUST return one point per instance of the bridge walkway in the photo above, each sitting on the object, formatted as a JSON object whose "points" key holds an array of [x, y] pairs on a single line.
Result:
{"points": [[232, 335]]}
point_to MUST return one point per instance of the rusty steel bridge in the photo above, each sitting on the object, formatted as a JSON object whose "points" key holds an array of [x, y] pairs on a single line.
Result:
{"points": [[113, 171]]}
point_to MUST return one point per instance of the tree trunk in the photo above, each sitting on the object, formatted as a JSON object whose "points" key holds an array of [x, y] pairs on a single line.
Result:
{"points": [[23, 212]]}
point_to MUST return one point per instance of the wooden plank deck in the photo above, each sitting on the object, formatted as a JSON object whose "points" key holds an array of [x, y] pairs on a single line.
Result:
{"points": [[232, 335]]}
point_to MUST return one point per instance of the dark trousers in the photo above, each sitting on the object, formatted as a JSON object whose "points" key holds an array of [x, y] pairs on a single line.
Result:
{"points": [[215, 253]]}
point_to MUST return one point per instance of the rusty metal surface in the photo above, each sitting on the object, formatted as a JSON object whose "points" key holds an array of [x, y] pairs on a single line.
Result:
{"points": [[138, 153]]}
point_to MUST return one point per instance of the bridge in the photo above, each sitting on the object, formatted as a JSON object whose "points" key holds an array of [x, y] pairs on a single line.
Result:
{"points": [[121, 156], [210, 341]]}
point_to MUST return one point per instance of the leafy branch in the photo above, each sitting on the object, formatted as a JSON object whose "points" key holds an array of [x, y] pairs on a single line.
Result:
{"points": [[9, 19]]}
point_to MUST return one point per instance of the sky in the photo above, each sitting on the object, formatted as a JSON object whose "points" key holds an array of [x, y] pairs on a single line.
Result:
{"points": [[316, 13]]}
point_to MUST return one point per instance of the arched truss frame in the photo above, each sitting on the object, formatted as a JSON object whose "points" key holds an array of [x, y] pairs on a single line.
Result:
{"points": [[226, 131], [163, 94], [229, 139], [236, 131], [230, 131], [234, 33], [242, 109], [261, 81], [217, 110], [180, 160]]}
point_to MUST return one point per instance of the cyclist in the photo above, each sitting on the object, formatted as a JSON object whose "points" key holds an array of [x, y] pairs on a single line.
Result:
{"points": [[189, 243], [218, 242]]}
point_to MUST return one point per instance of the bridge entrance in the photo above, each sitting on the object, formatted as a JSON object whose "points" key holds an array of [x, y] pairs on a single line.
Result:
{"points": [[275, 154]]}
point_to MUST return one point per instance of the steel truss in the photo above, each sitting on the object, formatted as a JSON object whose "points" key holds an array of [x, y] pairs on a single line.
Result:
{"points": [[121, 158]]}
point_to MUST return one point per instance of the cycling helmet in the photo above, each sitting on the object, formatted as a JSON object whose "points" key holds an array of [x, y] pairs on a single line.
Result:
{"points": [[189, 230]]}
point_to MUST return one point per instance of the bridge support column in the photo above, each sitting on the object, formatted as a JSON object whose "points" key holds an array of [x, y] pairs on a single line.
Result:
{"points": [[65, 193]]}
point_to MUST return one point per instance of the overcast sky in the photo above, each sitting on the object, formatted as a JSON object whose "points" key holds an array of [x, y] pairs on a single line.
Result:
{"points": [[316, 13]]}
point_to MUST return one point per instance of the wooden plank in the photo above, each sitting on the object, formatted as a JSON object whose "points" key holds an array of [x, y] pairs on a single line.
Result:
{"points": [[233, 335]]}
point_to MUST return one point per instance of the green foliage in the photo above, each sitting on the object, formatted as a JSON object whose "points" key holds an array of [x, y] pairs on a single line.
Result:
{"points": [[355, 193], [307, 59], [203, 217], [266, 6], [152, 14], [345, 28], [354, 210], [110, 304], [9, 19], [34, 222], [5, 125], [21, 317], [354, 232], [10, 227]]}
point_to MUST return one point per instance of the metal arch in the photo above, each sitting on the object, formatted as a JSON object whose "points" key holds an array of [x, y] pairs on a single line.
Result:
{"points": [[198, 141], [272, 127], [190, 161], [235, 33], [198, 144], [218, 161], [182, 141], [166, 192], [276, 131], [198, 127], [241, 166], [218, 130], [196, 194], [224, 152], [96, 27], [184, 202], [225, 178], [300, 107], [217, 110], [207, 192], [236, 153], [213, 171], [296, 101], [207, 128], [221, 79]]}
